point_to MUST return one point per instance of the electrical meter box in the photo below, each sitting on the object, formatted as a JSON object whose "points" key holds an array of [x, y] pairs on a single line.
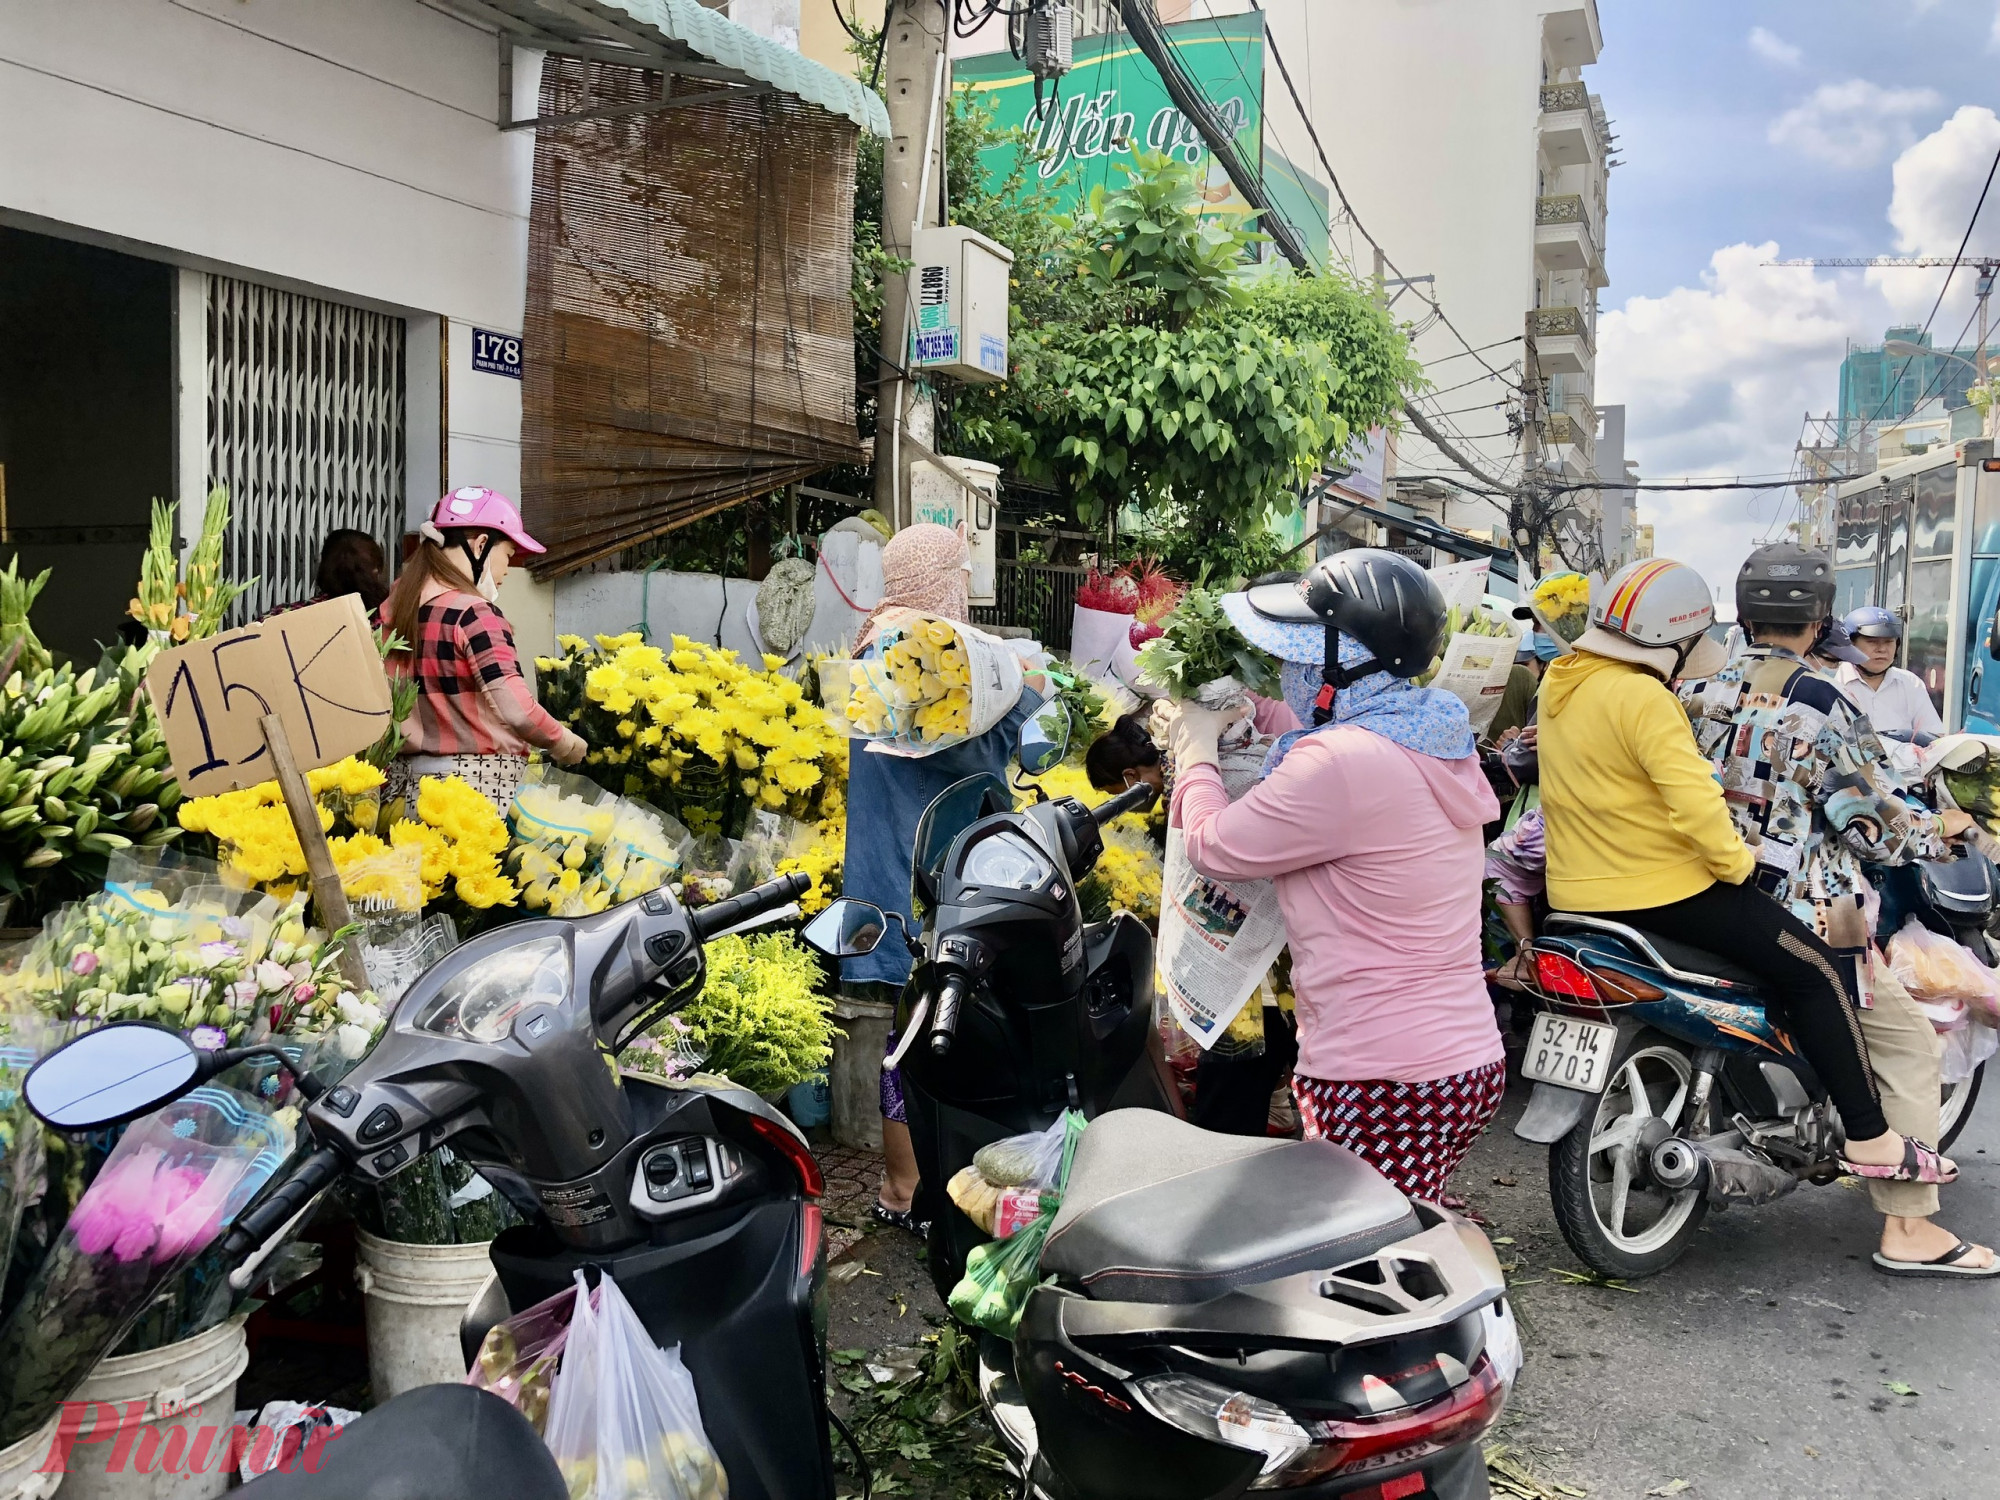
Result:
{"points": [[958, 278]]}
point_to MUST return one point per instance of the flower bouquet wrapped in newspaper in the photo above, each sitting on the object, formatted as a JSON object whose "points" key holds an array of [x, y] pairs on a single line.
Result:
{"points": [[924, 684]]}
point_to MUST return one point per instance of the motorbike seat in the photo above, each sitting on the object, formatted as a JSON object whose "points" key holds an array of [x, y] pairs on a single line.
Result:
{"points": [[1680, 955], [1158, 1210]]}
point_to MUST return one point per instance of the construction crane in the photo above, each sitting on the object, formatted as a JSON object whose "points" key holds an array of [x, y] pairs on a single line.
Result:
{"points": [[1986, 265]]}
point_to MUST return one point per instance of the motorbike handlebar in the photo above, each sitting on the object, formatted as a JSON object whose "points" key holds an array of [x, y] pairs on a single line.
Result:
{"points": [[944, 1020], [707, 921], [267, 1218], [1132, 799]]}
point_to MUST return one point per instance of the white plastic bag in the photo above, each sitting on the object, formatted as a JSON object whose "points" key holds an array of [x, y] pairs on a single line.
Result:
{"points": [[1030, 1160], [650, 1441], [624, 1423], [571, 1430]]}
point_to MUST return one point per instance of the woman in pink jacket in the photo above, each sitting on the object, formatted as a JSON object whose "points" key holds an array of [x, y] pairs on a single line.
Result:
{"points": [[1369, 824]]}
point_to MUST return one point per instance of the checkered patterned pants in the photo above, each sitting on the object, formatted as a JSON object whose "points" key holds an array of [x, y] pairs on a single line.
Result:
{"points": [[1414, 1134]]}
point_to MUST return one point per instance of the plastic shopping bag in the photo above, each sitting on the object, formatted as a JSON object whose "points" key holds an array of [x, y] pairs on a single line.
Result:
{"points": [[518, 1358], [1936, 970], [999, 1275], [1030, 1160], [624, 1422]]}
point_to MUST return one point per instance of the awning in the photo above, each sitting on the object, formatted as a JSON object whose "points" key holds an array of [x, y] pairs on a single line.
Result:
{"points": [[675, 36]]}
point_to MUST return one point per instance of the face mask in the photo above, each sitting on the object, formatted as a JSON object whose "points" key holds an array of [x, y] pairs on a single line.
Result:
{"points": [[486, 588]]}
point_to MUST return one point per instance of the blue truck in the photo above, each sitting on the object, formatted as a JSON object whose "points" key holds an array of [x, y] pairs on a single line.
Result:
{"points": [[1922, 537]]}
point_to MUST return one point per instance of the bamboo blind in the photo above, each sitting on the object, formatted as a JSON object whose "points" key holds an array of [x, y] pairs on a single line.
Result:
{"points": [[690, 316]]}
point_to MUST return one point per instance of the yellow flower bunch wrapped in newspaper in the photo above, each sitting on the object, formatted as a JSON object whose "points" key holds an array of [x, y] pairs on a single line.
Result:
{"points": [[924, 683], [1562, 600], [693, 730], [924, 689]]}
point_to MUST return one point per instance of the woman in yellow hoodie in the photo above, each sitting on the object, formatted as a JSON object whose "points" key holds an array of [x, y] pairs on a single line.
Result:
{"points": [[1637, 831]]}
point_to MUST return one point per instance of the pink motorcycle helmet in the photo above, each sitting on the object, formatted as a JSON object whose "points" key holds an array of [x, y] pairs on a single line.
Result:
{"points": [[476, 508]]}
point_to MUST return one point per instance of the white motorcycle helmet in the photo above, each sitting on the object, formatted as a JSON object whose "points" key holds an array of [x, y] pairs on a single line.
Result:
{"points": [[1655, 614]]}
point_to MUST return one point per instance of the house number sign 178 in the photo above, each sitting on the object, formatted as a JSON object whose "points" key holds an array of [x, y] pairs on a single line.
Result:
{"points": [[496, 353]]}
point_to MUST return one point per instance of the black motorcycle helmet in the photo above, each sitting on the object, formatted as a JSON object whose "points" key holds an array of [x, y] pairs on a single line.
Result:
{"points": [[1784, 584], [1381, 598]]}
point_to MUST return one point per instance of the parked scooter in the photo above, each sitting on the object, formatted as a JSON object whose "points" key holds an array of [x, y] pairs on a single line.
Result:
{"points": [[1662, 1088], [700, 1199], [1223, 1313]]}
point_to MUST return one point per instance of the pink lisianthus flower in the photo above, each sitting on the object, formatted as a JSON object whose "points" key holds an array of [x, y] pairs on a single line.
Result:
{"points": [[196, 1218], [121, 1211], [84, 963]]}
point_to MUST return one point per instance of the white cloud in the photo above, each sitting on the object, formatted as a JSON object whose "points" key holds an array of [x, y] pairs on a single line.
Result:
{"points": [[1935, 184], [1715, 379], [1775, 49], [1853, 124]]}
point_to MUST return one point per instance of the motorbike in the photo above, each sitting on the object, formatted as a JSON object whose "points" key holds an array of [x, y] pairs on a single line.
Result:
{"points": [[1219, 1314], [700, 1199], [1663, 1089]]}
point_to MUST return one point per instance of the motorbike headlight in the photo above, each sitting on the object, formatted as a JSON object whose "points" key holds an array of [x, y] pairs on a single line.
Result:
{"points": [[1220, 1415], [1008, 861], [479, 1004]]}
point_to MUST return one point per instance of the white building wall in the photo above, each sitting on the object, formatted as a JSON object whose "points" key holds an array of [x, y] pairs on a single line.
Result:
{"points": [[347, 150]]}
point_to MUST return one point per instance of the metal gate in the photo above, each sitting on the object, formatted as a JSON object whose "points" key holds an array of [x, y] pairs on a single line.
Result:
{"points": [[305, 429]]}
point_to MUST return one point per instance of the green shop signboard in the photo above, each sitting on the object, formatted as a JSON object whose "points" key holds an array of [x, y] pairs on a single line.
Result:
{"points": [[1112, 105]]}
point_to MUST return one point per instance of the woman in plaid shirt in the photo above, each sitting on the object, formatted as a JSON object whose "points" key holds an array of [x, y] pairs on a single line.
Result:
{"points": [[475, 715]]}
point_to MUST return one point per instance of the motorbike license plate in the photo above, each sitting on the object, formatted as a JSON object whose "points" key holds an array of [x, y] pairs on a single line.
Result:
{"points": [[1570, 1053]]}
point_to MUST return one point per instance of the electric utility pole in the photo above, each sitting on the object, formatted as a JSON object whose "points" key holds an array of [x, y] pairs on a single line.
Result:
{"points": [[913, 86]]}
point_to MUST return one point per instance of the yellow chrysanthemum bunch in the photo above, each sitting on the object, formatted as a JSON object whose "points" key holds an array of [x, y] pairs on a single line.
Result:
{"points": [[688, 727], [456, 834], [1132, 872], [1564, 601], [822, 861], [917, 688]]}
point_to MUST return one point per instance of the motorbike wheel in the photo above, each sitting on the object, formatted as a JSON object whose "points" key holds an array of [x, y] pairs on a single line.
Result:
{"points": [[1955, 1108], [1615, 1218]]}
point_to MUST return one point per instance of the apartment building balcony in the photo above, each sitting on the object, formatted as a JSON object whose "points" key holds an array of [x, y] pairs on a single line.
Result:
{"points": [[1561, 338], [1569, 131], [1571, 33], [1564, 238]]}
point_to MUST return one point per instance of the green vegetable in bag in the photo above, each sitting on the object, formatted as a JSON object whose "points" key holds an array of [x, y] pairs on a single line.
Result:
{"points": [[999, 1275]]}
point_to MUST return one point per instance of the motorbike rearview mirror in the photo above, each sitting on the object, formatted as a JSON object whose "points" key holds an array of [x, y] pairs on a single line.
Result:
{"points": [[113, 1074], [130, 1068], [1044, 741], [847, 929]]}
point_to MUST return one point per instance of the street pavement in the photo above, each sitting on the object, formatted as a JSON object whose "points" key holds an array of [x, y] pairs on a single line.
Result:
{"points": [[1768, 1364]]}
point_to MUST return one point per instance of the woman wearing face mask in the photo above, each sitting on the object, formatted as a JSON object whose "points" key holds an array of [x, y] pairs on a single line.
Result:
{"points": [[475, 717], [924, 567]]}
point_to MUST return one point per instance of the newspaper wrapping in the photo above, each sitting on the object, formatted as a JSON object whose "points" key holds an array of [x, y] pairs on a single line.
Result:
{"points": [[992, 667], [1474, 669], [1218, 938]]}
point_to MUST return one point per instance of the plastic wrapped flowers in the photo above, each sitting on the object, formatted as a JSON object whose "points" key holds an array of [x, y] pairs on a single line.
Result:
{"points": [[924, 684], [193, 956], [578, 849]]}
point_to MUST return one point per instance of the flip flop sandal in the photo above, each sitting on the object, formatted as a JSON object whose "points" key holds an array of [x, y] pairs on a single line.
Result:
{"points": [[902, 1218], [1920, 1163], [1946, 1266]]}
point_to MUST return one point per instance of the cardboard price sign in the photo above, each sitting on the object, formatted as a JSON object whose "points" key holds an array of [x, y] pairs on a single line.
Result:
{"points": [[316, 669]]}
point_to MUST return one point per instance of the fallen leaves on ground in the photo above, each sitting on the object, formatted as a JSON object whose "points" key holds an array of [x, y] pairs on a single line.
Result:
{"points": [[1509, 1475], [1671, 1487], [1591, 1278]]}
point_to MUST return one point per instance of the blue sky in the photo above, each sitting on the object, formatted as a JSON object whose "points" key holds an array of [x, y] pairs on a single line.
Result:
{"points": [[1835, 127]]}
